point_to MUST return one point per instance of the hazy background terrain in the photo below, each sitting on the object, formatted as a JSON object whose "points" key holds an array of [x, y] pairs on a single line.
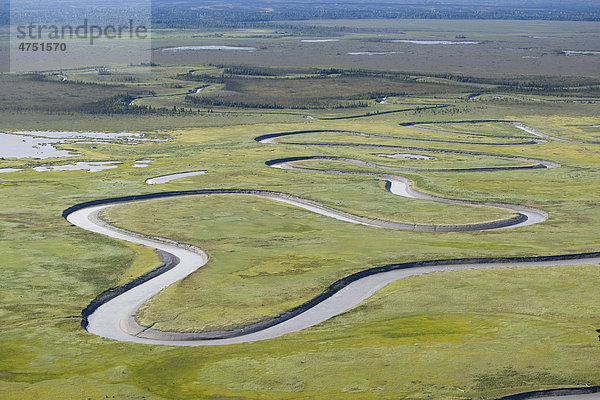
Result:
{"points": [[198, 13]]}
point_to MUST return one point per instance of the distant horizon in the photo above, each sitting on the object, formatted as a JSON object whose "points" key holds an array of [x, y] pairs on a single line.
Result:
{"points": [[193, 14], [279, 5]]}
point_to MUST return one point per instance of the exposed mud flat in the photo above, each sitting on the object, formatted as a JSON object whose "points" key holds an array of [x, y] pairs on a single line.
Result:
{"points": [[80, 166], [82, 135], [581, 53], [373, 53], [199, 48], [408, 156], [168, 178], [433, 42], [93, 166], [142, 163], [21, 146], [319, 40], [40, 144]]}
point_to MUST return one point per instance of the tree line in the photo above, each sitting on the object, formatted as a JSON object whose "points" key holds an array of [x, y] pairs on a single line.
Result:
{"points": [[222, 102]]}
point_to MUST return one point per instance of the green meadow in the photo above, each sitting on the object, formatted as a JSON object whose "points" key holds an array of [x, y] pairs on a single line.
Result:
{"points": [[476, 334]]}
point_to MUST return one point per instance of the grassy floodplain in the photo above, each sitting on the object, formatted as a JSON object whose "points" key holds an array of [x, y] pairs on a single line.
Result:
{"points": [[280, 256], [451, 335], [246, 257]]}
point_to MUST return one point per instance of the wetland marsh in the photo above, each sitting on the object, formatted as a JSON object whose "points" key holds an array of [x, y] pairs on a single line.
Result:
{"points": [[195, 156]]}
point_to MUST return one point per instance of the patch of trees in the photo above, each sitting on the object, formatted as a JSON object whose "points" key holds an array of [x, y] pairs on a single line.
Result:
{"points": [[256, 15], [118, 104], [218, 101], [189, 76], [241, 71], [538, 82], [262, 70], [363, 73], [246, 70], [222, 102], [375, 95], [121, 104], [37, 77]]}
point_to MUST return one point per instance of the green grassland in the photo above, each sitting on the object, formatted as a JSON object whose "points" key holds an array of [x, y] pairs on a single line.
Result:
{"points": [[277, 257], [448, 161], [498, 129], [209, 220], [450, 335], [274, 261]]}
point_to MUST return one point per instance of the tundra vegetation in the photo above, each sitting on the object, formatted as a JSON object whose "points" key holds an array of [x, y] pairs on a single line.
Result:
{"points": [[460, 334]]}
